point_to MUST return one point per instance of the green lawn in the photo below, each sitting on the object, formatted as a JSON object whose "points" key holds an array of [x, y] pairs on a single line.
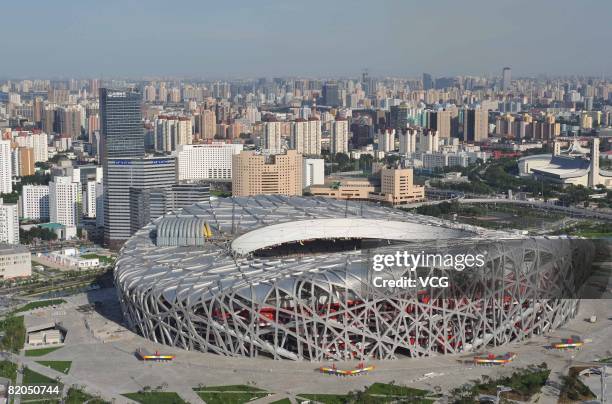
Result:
{"points": [[31, 377], [8, 370], [60, 366], [523, 382], [41, 351], [40, 304], [14, 333], [229, 397], [76, 396], [282, 401], [153, 397], [376, 393], [232, 394], [394, 390], [326, 398], [231, 387]]}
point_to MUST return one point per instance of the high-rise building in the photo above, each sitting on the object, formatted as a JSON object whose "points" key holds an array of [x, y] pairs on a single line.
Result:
{"points": [[258, 174], [171, 131], [339, 136], [70, 119], [121, 124], [399, 116], [306, 136], [475, 125], [37, 141], [34, 202], [93, 125], [386, 140], [331, 94], [428, 82], [407, 141], [25, 161], [272, 137], [90, 199], [440, 121], [9, 223], [124, 177], [506, 78], [208, 124], [428, 141], [206, 161], [65, 202], [149, 204], [6, 169]]}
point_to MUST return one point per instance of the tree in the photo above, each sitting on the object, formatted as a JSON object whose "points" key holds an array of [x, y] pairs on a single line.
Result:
{"points": [[365, 162]]}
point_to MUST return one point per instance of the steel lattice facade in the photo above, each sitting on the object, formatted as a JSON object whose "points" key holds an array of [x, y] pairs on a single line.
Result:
{"points": [[203, 295]]}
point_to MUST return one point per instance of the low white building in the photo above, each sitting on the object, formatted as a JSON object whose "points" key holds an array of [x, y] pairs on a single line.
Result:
{"points": [[70, 257]]}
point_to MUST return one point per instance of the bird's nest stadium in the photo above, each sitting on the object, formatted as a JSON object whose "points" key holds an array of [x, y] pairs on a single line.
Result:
{"points": [[289, 278]]}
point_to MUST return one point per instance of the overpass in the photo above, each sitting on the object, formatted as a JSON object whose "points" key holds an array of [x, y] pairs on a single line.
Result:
{"points": [[460, 197]]}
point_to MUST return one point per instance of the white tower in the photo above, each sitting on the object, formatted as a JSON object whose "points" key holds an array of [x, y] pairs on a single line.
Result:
{"points": [[594, 171]]}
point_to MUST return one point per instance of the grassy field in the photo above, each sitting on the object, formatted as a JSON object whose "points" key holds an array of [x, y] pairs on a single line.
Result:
{"points": [[41, 351], [376, 393], [39, 304], [155, 397], [231, 394], [14, 333], [326, 398], [60, 366], [8, 370], [76, 396], [523, 382], [31, 377]]}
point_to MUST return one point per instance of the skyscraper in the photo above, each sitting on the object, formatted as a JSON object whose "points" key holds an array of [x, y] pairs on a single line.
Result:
{"points": [[475, 125], [65, 202], [207, 124], [399, 116], [123, 179], [306, 136], [428, 82], [121, 124], [339, 137], [6, 184], [506, 78], [331, 94], [272, 136], [125, 167]]}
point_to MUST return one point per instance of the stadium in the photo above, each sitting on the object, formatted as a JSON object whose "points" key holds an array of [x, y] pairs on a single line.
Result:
{"points": [[290, 278]]}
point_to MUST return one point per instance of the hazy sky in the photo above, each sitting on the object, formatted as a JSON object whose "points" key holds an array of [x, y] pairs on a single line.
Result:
{"points": [[251, 38]]}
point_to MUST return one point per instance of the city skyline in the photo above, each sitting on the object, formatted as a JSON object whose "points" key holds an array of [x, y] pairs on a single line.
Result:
{"points": [[113, 39]]}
